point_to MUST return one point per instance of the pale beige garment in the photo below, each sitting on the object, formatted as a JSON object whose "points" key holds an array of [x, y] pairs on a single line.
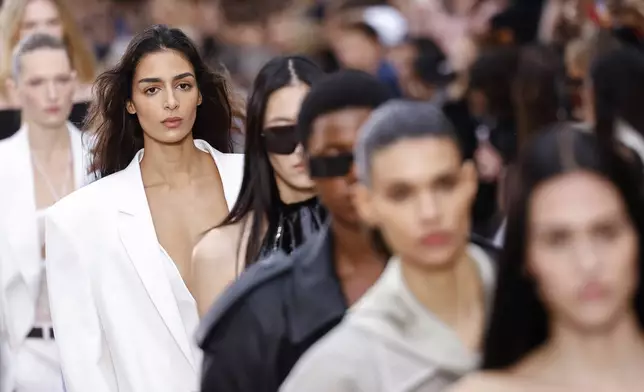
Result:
{"points": [[389, 342]]}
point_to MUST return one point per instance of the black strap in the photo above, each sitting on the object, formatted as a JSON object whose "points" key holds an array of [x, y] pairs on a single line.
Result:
{"points": [[39, 333]]}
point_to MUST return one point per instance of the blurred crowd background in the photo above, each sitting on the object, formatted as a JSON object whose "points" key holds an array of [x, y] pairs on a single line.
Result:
{"points": [[500, 69], [241, 35]]}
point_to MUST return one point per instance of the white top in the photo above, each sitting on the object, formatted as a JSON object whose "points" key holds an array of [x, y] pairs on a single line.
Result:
{"points": [[185, 301], [43, 314]]}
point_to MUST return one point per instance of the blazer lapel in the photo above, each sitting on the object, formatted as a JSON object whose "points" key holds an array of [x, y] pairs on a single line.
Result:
{"points": [[81, 156], [230, 167], [21, 274], [138, 235]]}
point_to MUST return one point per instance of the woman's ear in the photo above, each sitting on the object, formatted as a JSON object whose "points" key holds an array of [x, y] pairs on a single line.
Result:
{"points": [[200, 99], [129, 106]]}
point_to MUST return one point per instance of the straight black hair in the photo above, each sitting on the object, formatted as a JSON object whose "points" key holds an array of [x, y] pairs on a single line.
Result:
{"points": [[519, 321], [259, 193]]}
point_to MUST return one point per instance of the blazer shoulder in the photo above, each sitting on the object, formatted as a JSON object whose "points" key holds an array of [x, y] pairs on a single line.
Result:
{"points": [[234, 159], [83, 201], [8, 146], [260, 277]]}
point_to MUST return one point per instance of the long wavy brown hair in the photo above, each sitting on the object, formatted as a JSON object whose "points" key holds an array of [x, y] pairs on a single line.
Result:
{"points": [[118, 134]]}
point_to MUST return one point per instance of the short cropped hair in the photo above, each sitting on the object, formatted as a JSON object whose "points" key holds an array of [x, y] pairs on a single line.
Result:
{"points": [[337, 91], [33, 43], [397, 120]]}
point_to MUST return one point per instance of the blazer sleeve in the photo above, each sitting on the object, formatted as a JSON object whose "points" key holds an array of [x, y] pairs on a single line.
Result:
{"points": [[74, 314], [241, 356]]}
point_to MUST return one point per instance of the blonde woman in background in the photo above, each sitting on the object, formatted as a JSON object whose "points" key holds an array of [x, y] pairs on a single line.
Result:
{"points": [[19, 18]]}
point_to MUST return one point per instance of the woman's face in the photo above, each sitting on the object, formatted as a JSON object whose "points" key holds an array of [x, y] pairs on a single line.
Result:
{"points": [[582, 250], [422, 209], [356, 50], [41, 16], [165, 96], [282, 109]]}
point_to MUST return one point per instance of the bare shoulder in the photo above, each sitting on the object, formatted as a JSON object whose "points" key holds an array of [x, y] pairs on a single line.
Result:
{"points": [[217, 243], [217, 259]]}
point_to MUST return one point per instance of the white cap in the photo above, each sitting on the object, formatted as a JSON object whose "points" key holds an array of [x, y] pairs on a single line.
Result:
{"points": [[388, 23]]}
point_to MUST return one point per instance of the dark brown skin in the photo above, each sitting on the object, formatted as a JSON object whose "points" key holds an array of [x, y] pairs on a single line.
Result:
{"points": [[357, 264]]}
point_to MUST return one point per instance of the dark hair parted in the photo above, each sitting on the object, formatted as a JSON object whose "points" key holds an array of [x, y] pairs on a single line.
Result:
{"points": [[520, 321], [341, 90], [618, 84], [118, 134], [259, 193]]}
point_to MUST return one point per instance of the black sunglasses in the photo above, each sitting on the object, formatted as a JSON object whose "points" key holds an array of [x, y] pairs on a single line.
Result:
{"points": [[281, 140], [327, 167]]}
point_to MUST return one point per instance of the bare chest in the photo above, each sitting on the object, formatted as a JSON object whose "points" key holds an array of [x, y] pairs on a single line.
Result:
{"points": [[180, 216], [53, 180]]}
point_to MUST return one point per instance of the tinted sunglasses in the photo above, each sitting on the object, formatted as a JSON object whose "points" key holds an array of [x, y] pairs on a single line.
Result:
{"points": [[327, 167], [281, 140]]}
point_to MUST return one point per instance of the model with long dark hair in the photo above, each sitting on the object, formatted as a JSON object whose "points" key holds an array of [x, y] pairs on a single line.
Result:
{"points": [[277, 208], [119, 251], [279, 307], [569, 306]]}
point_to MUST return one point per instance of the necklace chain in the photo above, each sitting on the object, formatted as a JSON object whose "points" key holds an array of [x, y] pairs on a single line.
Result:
{"points": [[57, 194]]}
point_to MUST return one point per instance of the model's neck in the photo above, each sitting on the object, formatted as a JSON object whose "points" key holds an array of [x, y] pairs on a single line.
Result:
{"points": [[606, 354], [291, 195], [174, 165], [44, 141], [451, 292], [353, 245]]}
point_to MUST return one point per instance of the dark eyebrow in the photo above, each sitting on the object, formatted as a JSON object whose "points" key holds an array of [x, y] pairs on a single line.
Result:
{"points": [[158, 80]]}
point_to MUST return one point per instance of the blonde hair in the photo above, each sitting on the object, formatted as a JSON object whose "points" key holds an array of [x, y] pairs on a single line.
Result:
{"points": [[11, 15]]}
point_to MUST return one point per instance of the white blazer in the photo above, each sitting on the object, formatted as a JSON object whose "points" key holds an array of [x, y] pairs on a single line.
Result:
{"points": [[21, 268], [117, 323], [6, 369]]}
